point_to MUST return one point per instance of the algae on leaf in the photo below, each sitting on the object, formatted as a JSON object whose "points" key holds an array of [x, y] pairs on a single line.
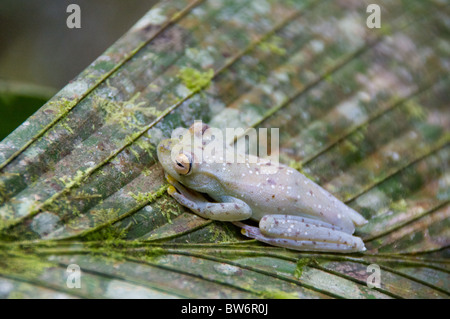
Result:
{"points": [[364, 112]]}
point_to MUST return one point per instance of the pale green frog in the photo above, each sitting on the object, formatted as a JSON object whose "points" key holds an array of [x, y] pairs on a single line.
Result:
{"points": [[293, 211]]}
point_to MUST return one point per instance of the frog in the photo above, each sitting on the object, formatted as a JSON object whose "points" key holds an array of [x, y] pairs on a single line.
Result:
{"points": [[280, 206]]}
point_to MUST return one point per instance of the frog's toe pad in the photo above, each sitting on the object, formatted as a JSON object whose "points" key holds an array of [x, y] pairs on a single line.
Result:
{"points": [[171, 190], [170, 179]]}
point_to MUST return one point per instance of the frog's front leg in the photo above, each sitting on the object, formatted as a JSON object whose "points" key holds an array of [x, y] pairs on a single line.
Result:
{"points": [[232, 209], [301, 233]]}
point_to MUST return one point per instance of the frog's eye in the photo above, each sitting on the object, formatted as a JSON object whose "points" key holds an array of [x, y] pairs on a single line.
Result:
{"points": [[183, 164]]}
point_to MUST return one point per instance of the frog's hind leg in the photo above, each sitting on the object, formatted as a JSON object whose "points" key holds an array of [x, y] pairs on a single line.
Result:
{"points": [[301, 233]]}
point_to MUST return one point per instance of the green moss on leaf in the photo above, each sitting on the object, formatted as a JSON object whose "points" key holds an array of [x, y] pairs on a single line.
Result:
{"points": [[195, 80]]}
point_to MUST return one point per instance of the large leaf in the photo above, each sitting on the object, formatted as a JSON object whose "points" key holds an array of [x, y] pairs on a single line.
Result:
{"points": [[364, 112]]}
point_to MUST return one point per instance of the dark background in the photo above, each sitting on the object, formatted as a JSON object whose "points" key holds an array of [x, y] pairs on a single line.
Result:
{"points": [[39, 54]]}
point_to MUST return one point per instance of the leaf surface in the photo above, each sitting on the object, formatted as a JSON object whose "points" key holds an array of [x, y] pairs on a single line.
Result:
{"points": [[363, 112]]}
